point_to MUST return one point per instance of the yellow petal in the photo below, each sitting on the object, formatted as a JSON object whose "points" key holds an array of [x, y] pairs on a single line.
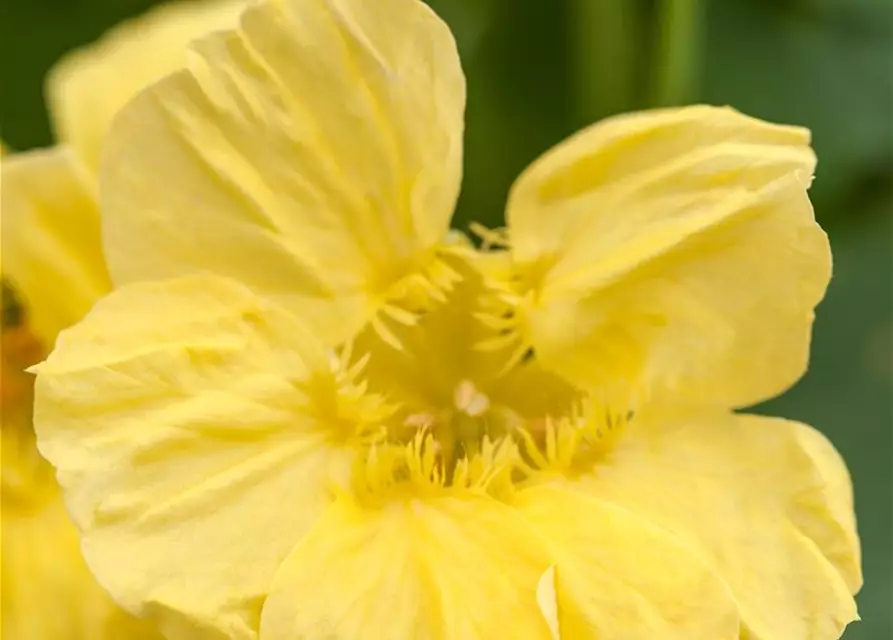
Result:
{"points": [[25, 477], [315, 153], [617, 575], [768, 502], [51, 244], [179, 419], [42, 567], [547, 599], [674, 249], [443, 568], [87, 88]]}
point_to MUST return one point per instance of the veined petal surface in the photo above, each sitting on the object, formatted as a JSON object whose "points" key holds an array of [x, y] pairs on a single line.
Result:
{"points": [[186, 444], [51, 239], [676, 250], [445, 568], [323, 138], [87, 88], [767, 503], [462, 566], [620, 576]]}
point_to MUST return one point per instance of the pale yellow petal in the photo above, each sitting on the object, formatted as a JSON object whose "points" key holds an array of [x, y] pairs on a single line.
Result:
{"points": [[766, 501], [26, 479], [46, 589], [547, 599], [618, 575], [51, 241], [676, 250], [315, 154], [185, 438], [87, 88], [457, 567]]}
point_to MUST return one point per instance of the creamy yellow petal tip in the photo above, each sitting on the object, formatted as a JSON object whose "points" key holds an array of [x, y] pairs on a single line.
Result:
{"points": [[547, 600]]}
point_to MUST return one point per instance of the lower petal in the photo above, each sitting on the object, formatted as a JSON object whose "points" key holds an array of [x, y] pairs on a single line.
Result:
{"points": [[767, 501], [445, 568], [620, 576]]}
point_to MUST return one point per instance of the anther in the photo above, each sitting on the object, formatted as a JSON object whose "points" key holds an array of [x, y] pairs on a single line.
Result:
{"points": [[469, 400]]}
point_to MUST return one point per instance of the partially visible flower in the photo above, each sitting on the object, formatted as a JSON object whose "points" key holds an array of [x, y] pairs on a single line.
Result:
{"points": [[53, 271], [86, 89], [308, 410]]}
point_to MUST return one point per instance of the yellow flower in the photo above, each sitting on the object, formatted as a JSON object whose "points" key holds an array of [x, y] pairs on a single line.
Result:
{"points": [[86, 89], [309, 410], [52, 273]]}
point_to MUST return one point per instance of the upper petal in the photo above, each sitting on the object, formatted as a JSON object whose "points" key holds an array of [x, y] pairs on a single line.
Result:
{"points": [[675, 249], [185, 437], [323, 138], [51, 242], [87, 88], [766, 501], [441, 568], [620, 576]]}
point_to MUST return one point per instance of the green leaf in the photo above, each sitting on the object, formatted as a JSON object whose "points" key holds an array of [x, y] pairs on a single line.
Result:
{"points": [[782, 65]]}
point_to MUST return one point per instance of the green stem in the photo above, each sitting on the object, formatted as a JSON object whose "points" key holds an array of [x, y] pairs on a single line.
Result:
{"points": [[678, 51], [604, 40]]}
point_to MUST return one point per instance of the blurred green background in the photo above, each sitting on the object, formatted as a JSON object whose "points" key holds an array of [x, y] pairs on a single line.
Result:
{"points": [[540, 69]]}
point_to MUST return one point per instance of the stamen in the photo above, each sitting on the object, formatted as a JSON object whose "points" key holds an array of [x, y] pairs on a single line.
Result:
{"points": [[402, 316], [496, 322], [426, 287], [469, 400], [499, 342], [490, 238], [420, 420], [522, 353], [341, 403], [346, 355], [408, 300], [357, 368], [385, 333]]}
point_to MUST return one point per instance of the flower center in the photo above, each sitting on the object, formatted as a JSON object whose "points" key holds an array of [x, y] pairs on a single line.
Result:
{"points": [[457, 399]]}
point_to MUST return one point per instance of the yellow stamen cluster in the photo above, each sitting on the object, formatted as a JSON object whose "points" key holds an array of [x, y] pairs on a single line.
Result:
{"points": [[412, 296], [460, 435]]}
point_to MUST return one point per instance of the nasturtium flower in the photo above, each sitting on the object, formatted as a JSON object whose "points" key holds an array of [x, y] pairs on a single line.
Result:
{"points": [[310, 410], [53, 271]]}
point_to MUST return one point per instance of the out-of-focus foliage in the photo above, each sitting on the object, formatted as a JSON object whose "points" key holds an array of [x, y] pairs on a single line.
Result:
{"points": [[539, 70], [821, 63]]}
